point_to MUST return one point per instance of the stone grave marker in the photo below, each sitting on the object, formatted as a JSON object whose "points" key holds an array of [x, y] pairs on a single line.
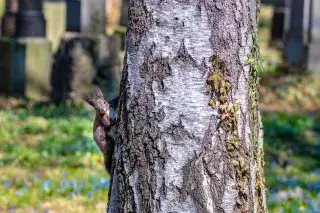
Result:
{"points": [[56, 17], [314, 45], [27, 56]]}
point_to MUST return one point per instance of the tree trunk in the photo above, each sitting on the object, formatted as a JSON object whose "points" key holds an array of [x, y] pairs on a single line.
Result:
{"points": [[189, 138]]}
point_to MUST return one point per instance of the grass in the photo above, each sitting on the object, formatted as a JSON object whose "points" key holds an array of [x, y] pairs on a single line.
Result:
{"points": [[292, 146], [49, 161]]}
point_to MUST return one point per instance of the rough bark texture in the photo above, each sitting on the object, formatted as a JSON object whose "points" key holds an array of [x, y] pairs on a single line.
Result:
{"points": [[189, 138]]}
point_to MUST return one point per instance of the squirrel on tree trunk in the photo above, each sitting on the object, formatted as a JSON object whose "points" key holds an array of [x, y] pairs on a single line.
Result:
{"points": [[103, 123]]}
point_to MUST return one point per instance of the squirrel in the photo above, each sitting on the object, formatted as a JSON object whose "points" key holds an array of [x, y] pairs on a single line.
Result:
{"points": [[103, 123]]}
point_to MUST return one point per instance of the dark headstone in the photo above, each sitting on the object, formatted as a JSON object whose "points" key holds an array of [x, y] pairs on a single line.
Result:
{"points": [[30, 21], [30, 5], [55, 0], [278, 24], [277, 3], [70, 77], [12, 75], [294, 48], [65, 69], [73, 15]]}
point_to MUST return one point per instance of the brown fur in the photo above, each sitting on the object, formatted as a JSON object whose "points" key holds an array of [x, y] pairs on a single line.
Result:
{"points": [[102, 125]]}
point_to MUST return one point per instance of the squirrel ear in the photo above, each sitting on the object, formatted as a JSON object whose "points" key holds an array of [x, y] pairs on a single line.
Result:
{"points": [[87, 98], [97, 92]]}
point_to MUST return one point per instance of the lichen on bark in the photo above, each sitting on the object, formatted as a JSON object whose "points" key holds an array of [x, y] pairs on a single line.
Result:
{"points": [[228, 114]]}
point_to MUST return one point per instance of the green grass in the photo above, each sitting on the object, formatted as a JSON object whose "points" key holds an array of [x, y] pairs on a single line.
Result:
{"points": [[292, 146], [49, 161]]}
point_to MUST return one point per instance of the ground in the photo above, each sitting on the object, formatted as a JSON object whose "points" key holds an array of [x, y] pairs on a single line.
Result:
{"points": [[50, 163]]}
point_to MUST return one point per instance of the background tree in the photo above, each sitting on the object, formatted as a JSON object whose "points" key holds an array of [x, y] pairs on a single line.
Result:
{"points": [[189, 137]]}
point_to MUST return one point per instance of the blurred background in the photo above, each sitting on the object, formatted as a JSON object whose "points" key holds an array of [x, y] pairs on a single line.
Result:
{"points": [[52, 51]]}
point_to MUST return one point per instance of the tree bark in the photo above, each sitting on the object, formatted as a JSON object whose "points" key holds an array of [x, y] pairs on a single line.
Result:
{"points": [[189, 137]]}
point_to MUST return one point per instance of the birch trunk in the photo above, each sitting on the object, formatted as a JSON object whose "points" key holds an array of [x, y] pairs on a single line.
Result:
{"points": [[189, 138]]}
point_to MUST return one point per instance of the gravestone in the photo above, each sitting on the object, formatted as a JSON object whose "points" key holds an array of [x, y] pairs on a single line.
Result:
{"points": [[86, 16], [301, 32], [314, 45], [12, 75], [113, 13], [25, 68], [8, 24], [30, 20], [81, 61], [38, 59], [93, 16], [73, 15], [294, 47], [277, 29], [73, 68], [55, 14], [276, 3]]}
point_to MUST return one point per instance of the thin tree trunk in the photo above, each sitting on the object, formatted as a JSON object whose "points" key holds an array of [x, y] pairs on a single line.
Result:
{"points": [[189, 138]]}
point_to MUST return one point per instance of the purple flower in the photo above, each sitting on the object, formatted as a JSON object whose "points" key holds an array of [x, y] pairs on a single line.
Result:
{"points": [[90, 193], [12, 208], [7, 184], [36, 177], [21, 192], [64, 174], [72, 195], [46, 187]]}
